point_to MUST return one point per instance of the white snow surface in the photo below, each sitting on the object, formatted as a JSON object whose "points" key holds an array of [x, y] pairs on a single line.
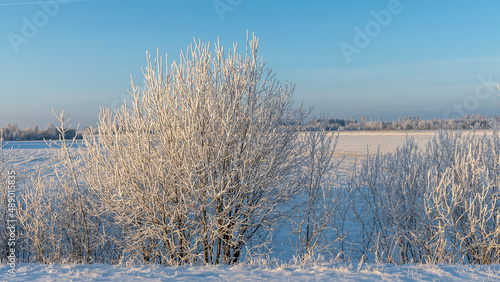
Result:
{"points": [[318, 271], [32, 157]]}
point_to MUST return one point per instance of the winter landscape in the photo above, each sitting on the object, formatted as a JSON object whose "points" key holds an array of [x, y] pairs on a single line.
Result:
{"points": [[261, 140]]}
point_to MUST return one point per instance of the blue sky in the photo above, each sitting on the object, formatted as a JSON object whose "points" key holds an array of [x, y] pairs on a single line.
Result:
{"points": [[423, 58]]}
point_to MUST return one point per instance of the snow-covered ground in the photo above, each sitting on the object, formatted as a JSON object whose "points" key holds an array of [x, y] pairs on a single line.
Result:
{"points": [[254, 272], [31, 157], [358, 143]]}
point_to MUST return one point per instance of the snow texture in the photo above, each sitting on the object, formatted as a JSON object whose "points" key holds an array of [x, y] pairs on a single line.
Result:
{"points": [[254, 272]]}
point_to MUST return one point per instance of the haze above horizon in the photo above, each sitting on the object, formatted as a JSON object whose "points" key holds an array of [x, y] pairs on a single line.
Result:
{"points": [[347, 58]]}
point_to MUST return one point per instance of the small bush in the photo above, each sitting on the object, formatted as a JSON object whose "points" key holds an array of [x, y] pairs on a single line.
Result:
{"points": [[197, 169]]}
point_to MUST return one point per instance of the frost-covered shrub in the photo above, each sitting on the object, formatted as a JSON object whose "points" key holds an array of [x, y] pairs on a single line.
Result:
{"points": [[58, 223], [196, 170], [439, 204], [464, 197], [388, 202], [59, 220], [316, 205]]}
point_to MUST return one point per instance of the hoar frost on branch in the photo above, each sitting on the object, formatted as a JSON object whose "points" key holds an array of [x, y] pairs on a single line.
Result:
{"points": [[432, 205], [199, 166]]}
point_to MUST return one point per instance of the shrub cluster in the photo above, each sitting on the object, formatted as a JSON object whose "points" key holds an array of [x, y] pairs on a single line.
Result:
{"points": [[196, 171], [209, 161], [436, 204]]}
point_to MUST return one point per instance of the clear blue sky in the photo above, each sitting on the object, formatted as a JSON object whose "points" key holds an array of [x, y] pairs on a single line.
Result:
{"points": [[428, 58]]}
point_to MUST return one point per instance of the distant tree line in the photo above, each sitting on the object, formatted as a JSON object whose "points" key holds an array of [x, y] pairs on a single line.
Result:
{"points": [[12, 132], [403, 123]]}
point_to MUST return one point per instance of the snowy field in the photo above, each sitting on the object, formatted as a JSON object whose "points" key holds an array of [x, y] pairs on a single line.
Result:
{"points": [[36, 156], [352, 144]]}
